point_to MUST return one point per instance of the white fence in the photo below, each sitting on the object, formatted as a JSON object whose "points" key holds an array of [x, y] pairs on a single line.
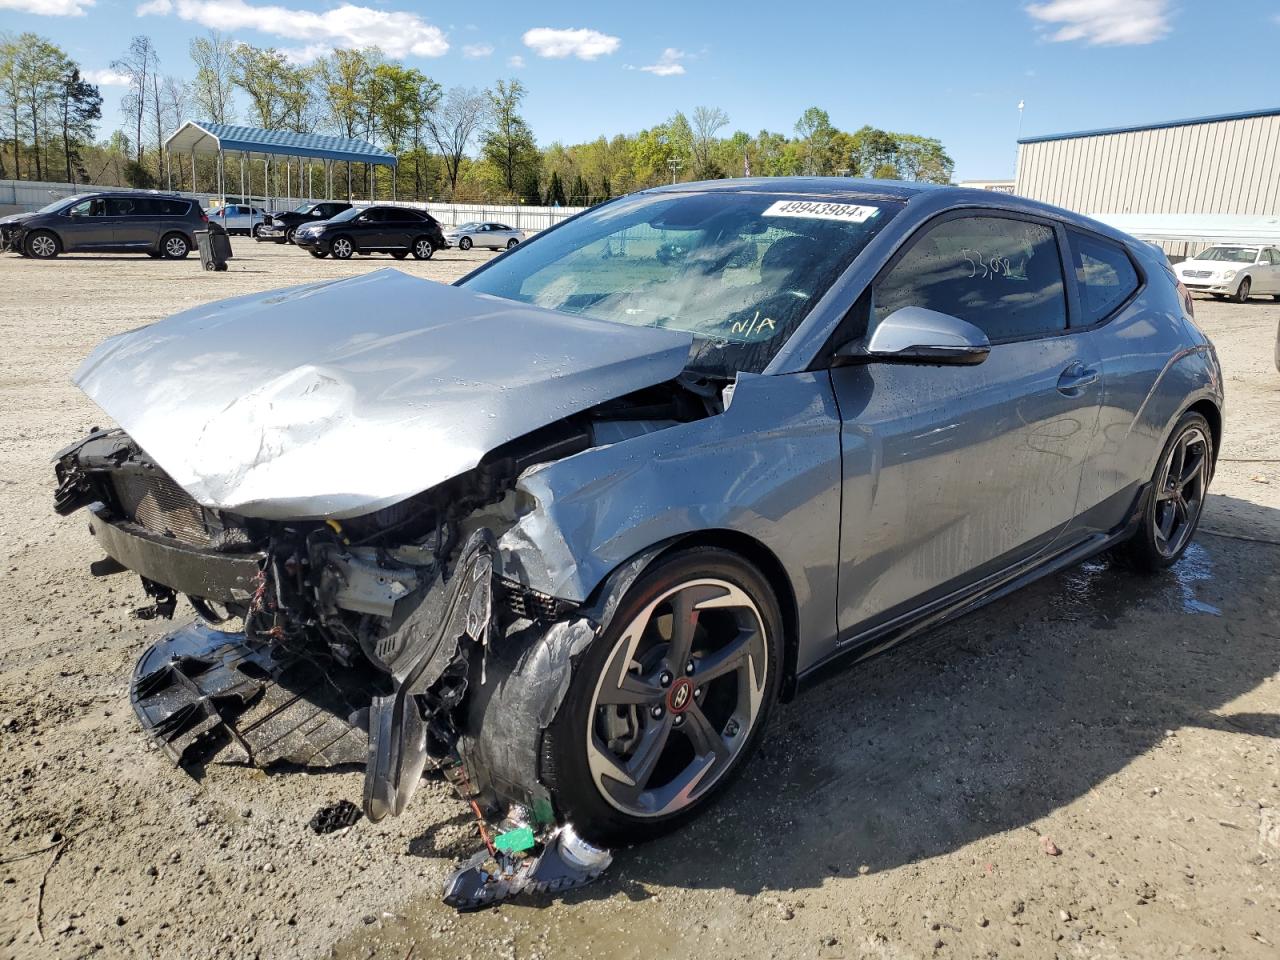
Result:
{"points": [[23, 195]]}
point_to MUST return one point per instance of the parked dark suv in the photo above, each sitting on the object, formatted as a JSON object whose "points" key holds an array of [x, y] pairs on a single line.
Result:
{"points": [[159, 225], [280, 227], [398, 231]]}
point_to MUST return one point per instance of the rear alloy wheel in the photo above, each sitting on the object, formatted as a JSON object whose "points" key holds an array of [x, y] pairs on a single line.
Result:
{"points": [[399, 254], [42, 245], [665, 707], [175, 247], [464, 243], [1242, 291], [342, 249], [1178, 491], [512, 242], [423, 249]]}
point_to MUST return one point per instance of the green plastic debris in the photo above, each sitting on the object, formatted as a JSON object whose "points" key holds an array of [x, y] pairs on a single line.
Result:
{"points": [[515, 841]]}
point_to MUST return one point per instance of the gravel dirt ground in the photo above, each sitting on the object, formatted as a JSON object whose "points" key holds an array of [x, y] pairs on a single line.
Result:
{"points": [[1128, 726]]}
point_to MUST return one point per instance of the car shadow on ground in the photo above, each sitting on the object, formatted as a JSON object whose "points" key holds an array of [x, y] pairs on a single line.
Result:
{"points": [[983, 726]]}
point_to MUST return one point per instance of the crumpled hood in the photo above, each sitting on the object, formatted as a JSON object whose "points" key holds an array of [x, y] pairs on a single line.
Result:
{"points": [[16, 217], [340, 398]]}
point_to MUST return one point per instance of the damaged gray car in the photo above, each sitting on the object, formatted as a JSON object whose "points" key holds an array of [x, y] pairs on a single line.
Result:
{"points": [[566, 530]]}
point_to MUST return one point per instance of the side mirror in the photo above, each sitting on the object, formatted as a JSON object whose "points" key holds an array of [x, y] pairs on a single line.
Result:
{"points": [[918, 335]]}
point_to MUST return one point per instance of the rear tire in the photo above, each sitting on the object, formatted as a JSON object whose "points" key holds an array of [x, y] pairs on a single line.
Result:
{"points": [[318, 254], [712, 720], [257, 231], [399, 254], [42, 245], [1242, 291], [174, 246], [1176, 499], [423, 249]]}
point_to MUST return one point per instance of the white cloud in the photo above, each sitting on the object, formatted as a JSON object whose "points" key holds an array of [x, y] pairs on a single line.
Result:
{"points": [[1108, 22], [581, 43], [477, 50], [106, 77], [668, 64], [48, 8], [300, 56], [397, 34], [515, 61]]}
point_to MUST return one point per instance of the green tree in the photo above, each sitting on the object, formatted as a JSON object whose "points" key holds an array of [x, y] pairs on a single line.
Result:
{"points": [[817, 136], [507, 142], [213, 88], [79, 110], [555, 192], [259, 71]]}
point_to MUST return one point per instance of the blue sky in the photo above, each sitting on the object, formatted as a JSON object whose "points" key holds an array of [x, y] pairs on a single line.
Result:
{"points": [[951, 70]]}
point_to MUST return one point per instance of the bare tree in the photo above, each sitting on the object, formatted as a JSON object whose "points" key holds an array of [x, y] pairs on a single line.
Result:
{"points": [[453, 124], [140, 64], [214, 85], [707, 122]]}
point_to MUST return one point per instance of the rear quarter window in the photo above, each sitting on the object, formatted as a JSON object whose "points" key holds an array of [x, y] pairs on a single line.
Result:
{"points": [[1105, 275]]}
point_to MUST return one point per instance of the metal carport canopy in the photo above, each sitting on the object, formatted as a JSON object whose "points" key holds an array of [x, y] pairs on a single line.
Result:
{"points": [[200, 137]]}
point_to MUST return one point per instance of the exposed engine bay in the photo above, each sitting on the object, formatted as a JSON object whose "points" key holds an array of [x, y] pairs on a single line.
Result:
{"points": [[369, 639]]}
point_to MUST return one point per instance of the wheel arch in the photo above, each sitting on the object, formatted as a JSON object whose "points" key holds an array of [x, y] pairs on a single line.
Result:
{"points": [[1213, 414], [748, 548]]}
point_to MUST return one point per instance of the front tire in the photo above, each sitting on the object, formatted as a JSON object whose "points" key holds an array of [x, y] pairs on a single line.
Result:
{"points": [[174, 246], [512, 242], [42, 245], [1242, 291], [464, 243], [342, 248], [1176, 501], [659, 718], [257, 231], [288, 237]]}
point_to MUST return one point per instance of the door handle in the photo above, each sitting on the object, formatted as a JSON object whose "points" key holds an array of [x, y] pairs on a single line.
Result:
{"points": [[1075, 378]]}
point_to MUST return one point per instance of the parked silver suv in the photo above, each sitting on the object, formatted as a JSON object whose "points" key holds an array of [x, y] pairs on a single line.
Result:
{"points": [[159, 225]]}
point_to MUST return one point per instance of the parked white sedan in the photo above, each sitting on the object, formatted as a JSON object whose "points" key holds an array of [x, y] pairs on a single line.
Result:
{"points": [[495, 236], [1238, 272], [237, 218]]}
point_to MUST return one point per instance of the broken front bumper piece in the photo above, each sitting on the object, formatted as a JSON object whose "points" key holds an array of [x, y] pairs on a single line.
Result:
{"points": [[492, 876], [199, 689]]}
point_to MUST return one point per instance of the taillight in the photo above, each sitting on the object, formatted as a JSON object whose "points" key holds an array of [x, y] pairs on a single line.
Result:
{"points": [[204, 217], [1186, 299]]}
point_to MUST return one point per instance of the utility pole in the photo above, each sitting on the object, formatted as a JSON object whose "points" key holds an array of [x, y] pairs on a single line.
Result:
{"points": [[674, 165]]}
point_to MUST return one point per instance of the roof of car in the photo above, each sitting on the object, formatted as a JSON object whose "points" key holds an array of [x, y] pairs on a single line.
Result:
{"points": [[811, 186]]}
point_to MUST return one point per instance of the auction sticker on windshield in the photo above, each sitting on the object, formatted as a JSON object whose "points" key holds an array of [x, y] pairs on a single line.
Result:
{"points": [[813, 210]]}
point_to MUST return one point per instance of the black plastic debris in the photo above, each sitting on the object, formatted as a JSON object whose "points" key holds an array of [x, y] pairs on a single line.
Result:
{"points": [[335, 816]]}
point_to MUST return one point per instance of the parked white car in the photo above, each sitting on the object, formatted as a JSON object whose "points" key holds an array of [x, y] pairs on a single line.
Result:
{"points": [[495, 236], [237, 218], [1235, 271]]}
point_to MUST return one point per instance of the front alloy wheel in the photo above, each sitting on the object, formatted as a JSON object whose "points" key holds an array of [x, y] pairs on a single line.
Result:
{"points": [[512, 242], [341, 249], [464, 243], [1242, 291], [42, 245], [668, 703]]}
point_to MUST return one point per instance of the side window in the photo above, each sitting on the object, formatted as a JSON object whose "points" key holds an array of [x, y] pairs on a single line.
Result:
{"points": [[1105, 274], [1002, 275], [119, 207], [86, 208]]}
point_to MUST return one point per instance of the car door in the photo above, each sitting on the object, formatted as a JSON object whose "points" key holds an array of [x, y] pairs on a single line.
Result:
{"points": [[1268, 271], [403, 225], [956, 473], [136, 222], [87, 226]]}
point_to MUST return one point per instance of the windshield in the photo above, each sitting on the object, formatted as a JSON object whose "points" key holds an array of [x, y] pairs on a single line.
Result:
{"points": [[56, 204], [305, 208], [737, 270], [1229, 254], [349, 214]]}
